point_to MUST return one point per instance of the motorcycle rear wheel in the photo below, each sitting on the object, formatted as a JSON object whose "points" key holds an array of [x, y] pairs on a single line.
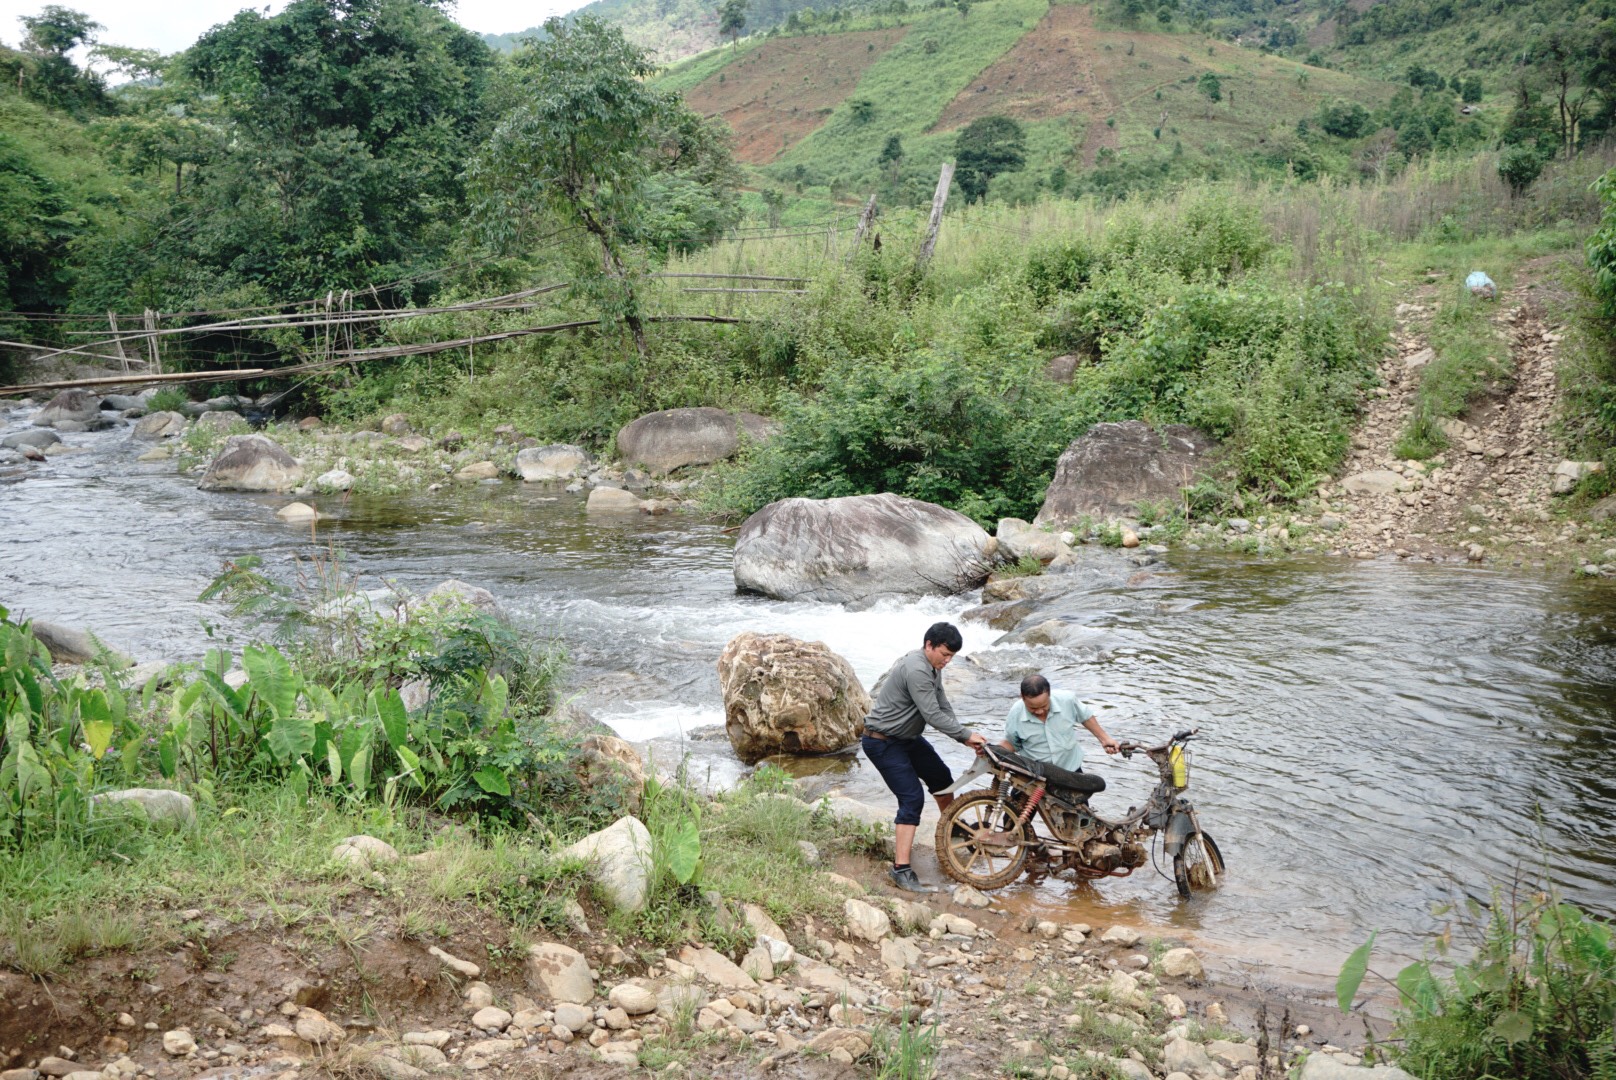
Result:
{"points": [[968, 860], [1198, 867]]}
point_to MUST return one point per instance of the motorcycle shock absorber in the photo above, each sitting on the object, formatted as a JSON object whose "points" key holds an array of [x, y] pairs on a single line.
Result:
{"points": [[1033, 800]]}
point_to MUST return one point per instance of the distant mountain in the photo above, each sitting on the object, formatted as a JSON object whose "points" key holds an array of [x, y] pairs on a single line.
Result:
{"points": [[674, 29]]}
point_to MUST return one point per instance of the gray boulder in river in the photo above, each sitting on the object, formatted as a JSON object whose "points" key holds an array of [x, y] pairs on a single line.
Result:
{"points": [[251, 463], [70, 407], [1114, 468], [858, 548], [671, 439], [38, 438], [159, 425], [558, 461]]}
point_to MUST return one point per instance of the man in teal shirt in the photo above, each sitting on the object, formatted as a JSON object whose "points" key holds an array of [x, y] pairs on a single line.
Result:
{"points": [[1043, 725]]}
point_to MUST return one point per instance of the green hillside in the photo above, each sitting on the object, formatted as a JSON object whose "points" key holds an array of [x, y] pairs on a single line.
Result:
{"points": [[1103, 107], [673, 29]]}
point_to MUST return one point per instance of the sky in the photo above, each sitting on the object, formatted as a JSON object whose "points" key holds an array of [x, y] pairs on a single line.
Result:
{"points": [[171, 25]]}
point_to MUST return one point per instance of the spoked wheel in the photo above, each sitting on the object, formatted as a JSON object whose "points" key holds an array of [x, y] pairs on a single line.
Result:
{"points": [[1198, 867], [963, 849]]}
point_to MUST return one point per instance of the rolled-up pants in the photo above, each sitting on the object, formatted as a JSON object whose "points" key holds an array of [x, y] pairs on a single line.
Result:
{"points": [[906, 764]]}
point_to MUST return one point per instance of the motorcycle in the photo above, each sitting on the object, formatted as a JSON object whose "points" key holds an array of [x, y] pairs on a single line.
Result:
{"points": [[987, 837]]}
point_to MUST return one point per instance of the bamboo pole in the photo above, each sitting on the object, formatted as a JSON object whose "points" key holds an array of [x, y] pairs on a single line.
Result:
{"points": [[935, 222], [123, 357], [787, 292], [136, 379], [151, 342], [733, 277]]}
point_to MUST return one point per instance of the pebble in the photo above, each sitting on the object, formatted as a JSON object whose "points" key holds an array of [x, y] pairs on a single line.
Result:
{"points": [[178, 1042]]}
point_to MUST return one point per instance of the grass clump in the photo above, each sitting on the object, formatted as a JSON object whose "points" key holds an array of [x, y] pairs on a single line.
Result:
{"points": [[168, 399]]}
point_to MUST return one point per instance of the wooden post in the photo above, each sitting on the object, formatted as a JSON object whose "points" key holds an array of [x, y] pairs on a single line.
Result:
{"points": [[123, 357], [939, 197], [863, 226], [156, 357]]}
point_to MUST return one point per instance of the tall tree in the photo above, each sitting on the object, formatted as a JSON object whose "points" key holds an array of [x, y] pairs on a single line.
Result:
{"points": [[732, 19], [588, 151], [50, 76], [987, 147]]}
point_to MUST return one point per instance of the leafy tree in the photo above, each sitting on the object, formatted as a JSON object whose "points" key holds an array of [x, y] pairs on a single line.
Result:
{"points": [[587, 151], [732, 19], [1423, 78], [1470, 89], [1210, 87], [1344, 119], [1564, 53], [891, 150], [862, 109], [48, 75], [964, 7], [1520, 166], [987, 147]]}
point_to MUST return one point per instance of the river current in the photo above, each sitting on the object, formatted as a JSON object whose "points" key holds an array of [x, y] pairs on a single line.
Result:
{"points": [[1378, 738]]}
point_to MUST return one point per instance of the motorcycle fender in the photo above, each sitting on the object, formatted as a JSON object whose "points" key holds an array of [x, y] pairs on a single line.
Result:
{"points": [[1179, 829], [980, 767]]}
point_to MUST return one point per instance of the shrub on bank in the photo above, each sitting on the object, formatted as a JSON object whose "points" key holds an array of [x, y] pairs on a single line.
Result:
{"points": [[325, 712]]}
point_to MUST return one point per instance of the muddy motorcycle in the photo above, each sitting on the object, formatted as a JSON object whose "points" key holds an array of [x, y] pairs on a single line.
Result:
{"points": [[1033, 810]]}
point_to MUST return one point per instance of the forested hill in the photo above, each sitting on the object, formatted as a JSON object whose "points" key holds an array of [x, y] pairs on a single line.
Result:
{"points": [[674, 29]]}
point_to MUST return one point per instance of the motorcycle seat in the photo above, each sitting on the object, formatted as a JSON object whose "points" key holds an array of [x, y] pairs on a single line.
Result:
{"points": [[1080, 783]]}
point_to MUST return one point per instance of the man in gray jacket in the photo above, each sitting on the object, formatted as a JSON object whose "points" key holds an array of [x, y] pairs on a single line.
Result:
{"points": [[910, 697]]}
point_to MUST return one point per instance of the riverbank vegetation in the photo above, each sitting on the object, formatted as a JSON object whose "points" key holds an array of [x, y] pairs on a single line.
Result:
{"points": [[1523, 986]]}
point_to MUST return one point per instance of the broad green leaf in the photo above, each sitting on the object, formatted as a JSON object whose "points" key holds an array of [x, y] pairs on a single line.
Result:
{"points": [[168, 754], [1512, 1026], [412, 764], [395, 721], [232, 702], [1352, 975], [98, 733], [495, 695], [492, 780], [1418, 988], [684, 850], [359, 770], [272, 679], [333, 760], [290, 737]]}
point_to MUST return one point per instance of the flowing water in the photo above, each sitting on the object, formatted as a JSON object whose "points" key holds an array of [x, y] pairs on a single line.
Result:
{"points": [[1377, 738]]}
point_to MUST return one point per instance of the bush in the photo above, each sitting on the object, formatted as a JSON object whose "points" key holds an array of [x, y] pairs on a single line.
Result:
{"points": [[168, 399], [1344, 119], [1536, 1001], [1519, 166]]}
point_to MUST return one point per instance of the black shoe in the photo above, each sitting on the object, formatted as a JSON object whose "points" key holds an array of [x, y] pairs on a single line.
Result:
{"points": [[906, 880]]}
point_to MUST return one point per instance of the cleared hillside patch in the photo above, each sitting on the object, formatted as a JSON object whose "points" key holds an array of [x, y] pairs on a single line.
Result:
{"points": [[909, 86], [774, 95]]}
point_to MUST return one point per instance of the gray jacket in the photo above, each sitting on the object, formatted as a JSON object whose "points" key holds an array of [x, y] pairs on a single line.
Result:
{"points": [[909, 697]]}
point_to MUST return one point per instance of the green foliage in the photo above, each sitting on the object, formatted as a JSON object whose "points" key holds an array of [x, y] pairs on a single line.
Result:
{"points": [[907, 1050], [578, 153], [1589, 375], [1344, 119], [988, 146], [1210, 86], [54, 737], [1536, 999], [168, 399], [1520, 166]]}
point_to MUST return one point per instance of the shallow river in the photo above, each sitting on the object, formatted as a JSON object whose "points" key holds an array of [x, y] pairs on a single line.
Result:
{"points": [[1378, 738]]}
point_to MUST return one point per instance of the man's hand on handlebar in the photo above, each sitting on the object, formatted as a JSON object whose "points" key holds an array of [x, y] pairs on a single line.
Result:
{"points": [[976, 741], [1111, 746]]}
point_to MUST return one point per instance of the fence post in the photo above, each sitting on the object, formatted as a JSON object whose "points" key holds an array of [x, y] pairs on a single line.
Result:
{"points": [[123, 357], [939, 197]]}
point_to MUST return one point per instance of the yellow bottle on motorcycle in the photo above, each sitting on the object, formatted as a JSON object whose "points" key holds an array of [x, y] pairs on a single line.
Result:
{"points": [[1181, 768]]}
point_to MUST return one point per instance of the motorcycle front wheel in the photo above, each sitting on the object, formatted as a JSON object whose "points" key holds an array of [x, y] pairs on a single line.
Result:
{"points": [[963, 853], [1198, 867]]}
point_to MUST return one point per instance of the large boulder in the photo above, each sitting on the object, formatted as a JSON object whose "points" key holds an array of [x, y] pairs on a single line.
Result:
{"points": [[859, 547], [558, 461], [787, 696], [1115, 468], [619, 857], [671, 439], [69, 646], [159, 425], [560, 972], [38, 438], [610, 770], [71, 407], [162, 807], [251, 463]]}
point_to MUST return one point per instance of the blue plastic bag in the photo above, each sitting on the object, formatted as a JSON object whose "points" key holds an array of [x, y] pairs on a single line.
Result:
{"points": [[1481, 285]]}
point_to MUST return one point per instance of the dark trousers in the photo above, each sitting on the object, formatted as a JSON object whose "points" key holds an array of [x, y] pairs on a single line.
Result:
{"points": [[905, 764]]}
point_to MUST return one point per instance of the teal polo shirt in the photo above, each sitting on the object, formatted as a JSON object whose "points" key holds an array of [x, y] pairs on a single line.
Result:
{"points": [[1054, 740]]}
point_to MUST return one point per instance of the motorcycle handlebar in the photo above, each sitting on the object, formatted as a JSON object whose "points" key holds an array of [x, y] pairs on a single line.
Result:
{"points": [[1127, 749]]}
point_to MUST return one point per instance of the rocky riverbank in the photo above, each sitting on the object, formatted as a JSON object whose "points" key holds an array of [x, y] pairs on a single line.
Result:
{"points": [[246, 994]]}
